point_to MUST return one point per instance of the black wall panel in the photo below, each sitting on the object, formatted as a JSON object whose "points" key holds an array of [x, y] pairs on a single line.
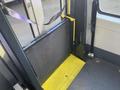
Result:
{"points": [[49, 51]]}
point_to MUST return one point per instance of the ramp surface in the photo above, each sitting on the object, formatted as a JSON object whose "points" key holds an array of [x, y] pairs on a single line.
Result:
{"points": [[64, 74]]}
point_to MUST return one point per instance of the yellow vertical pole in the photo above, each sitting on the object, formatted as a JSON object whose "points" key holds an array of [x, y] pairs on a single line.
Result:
{"points": [[70, 18], [68, 7]]}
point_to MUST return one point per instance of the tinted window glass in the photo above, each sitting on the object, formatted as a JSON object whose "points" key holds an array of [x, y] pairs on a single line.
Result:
{"points": [[110, 6]]}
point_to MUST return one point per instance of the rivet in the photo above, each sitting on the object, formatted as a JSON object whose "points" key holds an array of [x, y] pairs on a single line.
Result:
{"points": [[66, 75]]}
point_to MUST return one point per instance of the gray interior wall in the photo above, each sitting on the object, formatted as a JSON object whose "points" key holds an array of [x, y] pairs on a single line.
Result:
{"points": [[49, 52], [108, 33]]}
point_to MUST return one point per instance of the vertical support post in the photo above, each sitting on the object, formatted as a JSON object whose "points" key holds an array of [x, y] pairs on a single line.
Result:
{"points": [[79, 12], [68, 7], [93, 27], [28, 73]]}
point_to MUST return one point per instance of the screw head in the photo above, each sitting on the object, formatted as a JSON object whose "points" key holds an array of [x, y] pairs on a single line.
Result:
{"points": [[91, 55]]}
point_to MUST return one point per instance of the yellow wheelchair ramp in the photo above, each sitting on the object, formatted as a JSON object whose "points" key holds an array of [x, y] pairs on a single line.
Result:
{"points": [[64, 74]]}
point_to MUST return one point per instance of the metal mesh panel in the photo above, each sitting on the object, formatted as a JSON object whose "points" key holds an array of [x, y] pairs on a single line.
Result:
{"points": [[49, 52]]}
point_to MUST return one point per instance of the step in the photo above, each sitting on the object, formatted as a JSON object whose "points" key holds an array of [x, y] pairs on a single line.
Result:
{"points": [[64, 74]]}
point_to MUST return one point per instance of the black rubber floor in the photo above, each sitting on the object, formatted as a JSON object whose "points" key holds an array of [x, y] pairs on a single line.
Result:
{"points": [[97, 75]]}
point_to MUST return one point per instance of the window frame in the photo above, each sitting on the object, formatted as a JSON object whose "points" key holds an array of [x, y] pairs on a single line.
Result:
{"points": [[105, 13]]}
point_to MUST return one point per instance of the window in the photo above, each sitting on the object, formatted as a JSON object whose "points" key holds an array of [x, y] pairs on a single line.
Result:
{"points": [[50, 8], [20, 28], [38, 11], [110, 6]]}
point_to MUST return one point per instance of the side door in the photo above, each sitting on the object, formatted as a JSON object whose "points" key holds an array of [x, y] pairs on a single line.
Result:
{"points": [[107, 33]]}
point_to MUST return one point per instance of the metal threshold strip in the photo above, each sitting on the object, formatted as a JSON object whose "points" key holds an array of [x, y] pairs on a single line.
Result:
{"points": [[64, 74]]}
